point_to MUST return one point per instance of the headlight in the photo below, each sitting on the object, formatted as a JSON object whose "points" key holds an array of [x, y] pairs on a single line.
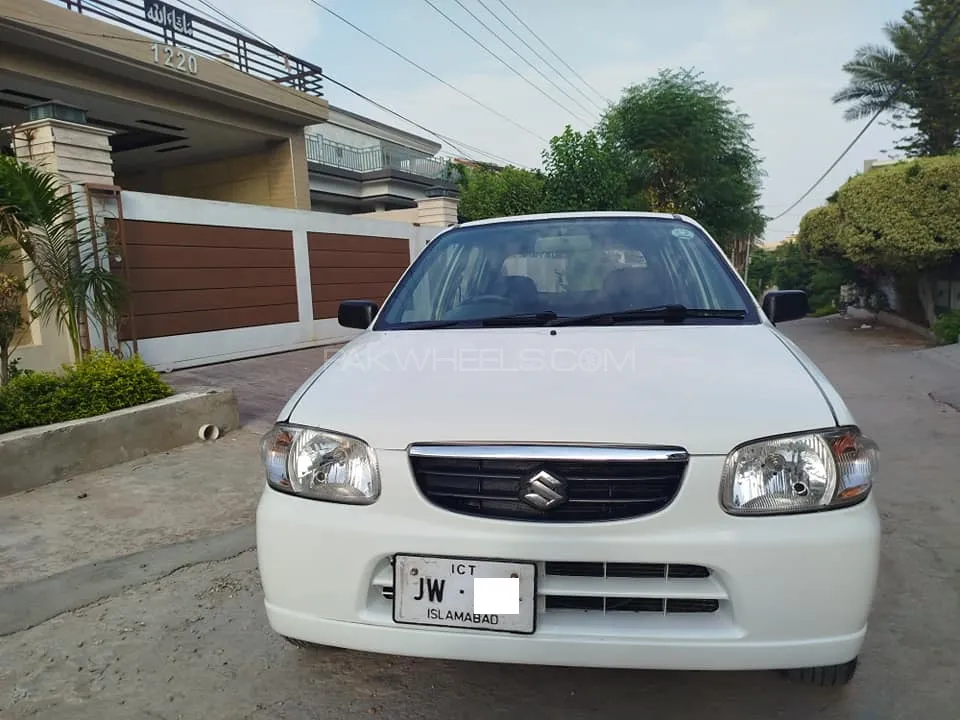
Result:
{"points": [[799, 473], [320, 465]]}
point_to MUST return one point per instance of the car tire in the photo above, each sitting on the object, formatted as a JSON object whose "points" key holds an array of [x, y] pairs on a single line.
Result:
{"points": [[302, 644], [825, 676]]}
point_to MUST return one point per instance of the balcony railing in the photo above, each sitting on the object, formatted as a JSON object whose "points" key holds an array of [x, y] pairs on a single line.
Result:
{"points": [[365, 160], [171, 25]]}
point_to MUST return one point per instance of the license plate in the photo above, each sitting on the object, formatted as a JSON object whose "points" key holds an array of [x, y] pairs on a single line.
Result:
{"points": [[439, 591]]}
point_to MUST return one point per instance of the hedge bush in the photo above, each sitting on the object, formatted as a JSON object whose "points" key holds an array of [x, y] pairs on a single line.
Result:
{"points": [[947, 327], [98, 384]]}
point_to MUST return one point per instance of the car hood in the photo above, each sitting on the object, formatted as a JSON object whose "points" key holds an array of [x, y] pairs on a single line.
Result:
{"points": [[704, 388]]}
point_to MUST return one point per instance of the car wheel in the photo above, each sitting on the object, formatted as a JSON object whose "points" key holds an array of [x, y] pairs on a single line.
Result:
{"points": [[825, 676], [303, 644]]}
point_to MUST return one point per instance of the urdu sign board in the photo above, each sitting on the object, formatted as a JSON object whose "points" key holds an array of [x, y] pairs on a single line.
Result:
{"points": [[169, 17]]}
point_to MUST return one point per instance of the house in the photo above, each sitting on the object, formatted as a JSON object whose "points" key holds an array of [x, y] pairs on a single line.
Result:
{"points": [[181, 105], [360, 165], [213, 175]]}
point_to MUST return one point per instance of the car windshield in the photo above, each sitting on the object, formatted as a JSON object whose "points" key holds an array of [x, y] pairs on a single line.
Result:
{"points": [[564, 269]]}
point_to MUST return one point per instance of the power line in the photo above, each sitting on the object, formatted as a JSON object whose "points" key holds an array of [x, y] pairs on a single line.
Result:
{"points": [[553, 52], [931, 46], [418, 125], [428, 72], [541, 57], [455, 144], [517, 53], [383, 45], [505, 63]]}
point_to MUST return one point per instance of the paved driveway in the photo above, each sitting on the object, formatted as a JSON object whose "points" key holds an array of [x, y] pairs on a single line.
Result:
{"points": [[262, 384], [194, 644]]}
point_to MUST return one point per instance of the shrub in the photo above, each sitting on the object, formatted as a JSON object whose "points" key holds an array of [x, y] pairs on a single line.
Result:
{"points": [[30, 400], [16, 370], [98, 384], [824, 311], [947, 327]]}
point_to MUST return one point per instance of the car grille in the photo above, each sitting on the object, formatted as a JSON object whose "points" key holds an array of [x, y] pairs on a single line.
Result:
{"points": [[592, 589], [597, 484], [660, 593]]}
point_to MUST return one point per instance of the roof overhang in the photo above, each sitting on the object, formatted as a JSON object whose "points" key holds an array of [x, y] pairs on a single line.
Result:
{"points": [[53, 34]]}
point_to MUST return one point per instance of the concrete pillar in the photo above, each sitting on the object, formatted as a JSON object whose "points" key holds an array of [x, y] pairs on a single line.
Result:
{"points": [[76, 153], [439, 207]]}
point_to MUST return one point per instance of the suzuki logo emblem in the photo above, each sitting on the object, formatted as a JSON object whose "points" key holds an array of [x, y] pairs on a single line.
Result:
{"points": [[543, 491]]}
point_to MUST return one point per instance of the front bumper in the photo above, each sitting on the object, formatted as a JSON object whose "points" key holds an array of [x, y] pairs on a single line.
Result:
{"points": [[790, 591]]}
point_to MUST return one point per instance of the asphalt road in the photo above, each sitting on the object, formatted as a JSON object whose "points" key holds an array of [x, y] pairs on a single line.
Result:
{"points": [[194, 643]]}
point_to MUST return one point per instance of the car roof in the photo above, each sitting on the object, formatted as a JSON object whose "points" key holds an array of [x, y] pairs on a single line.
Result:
{"points": [[577, 216]]}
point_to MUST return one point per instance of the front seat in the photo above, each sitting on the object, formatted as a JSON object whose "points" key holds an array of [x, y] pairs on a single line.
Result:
{"points": [[630, 287], [523, 292]]}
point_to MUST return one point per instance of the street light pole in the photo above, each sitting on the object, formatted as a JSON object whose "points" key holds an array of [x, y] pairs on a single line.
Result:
{"points": [[746, 263]]}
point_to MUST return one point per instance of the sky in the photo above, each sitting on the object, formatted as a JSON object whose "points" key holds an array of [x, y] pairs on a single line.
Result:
{"points": [[781, 59]]}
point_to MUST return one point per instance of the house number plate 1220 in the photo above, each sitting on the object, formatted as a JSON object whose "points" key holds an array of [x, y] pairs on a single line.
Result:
{"points": [[174, 58]]}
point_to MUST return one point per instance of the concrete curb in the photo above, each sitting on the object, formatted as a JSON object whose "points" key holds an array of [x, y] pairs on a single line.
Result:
{"points": [[891, 320], [25, 606], [37, 456]]}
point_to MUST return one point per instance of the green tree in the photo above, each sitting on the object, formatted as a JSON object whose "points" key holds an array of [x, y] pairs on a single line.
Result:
{"points": [[797, 265], [819, 231], [38, 212], [760, 270], [929, 102], [584, 172], [904, 219], [818, 241], [693, 151], [499, 192]]}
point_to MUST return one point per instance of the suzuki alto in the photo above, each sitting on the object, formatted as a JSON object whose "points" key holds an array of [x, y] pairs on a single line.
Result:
{"points": [[573, 439]]}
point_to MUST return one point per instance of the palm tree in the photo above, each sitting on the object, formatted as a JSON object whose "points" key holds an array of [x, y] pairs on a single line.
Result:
{"points": [[39, 213], [929, 98], [12, 320]]}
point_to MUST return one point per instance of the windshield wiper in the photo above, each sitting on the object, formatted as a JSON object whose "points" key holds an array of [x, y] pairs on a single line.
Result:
{"points": [[534, 319], [520, 319], [666, 313]]}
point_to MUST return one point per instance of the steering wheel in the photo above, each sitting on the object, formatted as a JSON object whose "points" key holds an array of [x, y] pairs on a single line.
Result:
{"points": [[476, 299]]}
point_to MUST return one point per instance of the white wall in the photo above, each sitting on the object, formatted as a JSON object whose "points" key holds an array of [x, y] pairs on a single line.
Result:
{"points": [[182, 351]]}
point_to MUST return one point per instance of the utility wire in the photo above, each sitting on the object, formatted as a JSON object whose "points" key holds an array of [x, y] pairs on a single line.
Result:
{"points": [[541, 57], [428, 72], [506, 64], [553, 52], [517, 53], [455, 144], [931, 46], [449, 141]]}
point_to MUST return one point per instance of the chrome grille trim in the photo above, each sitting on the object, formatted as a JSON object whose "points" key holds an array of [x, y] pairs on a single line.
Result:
{"points": [[546, 452]]}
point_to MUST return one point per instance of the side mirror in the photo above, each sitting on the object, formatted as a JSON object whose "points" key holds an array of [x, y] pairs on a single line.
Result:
{"points": [[356, 314], [785, 305]]}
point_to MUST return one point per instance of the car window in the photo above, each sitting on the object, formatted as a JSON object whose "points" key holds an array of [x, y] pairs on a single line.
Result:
{"points": [[569, 266]]}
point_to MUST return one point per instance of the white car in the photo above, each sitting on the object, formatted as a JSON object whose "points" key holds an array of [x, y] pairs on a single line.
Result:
{"points": [[573, 439]]}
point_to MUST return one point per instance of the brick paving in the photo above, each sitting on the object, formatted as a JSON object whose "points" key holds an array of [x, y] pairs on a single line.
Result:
{"points": [[262, 384]]}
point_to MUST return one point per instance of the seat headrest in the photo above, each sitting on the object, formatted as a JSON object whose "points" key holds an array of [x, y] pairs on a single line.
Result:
{"points": [[626, 279]]}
